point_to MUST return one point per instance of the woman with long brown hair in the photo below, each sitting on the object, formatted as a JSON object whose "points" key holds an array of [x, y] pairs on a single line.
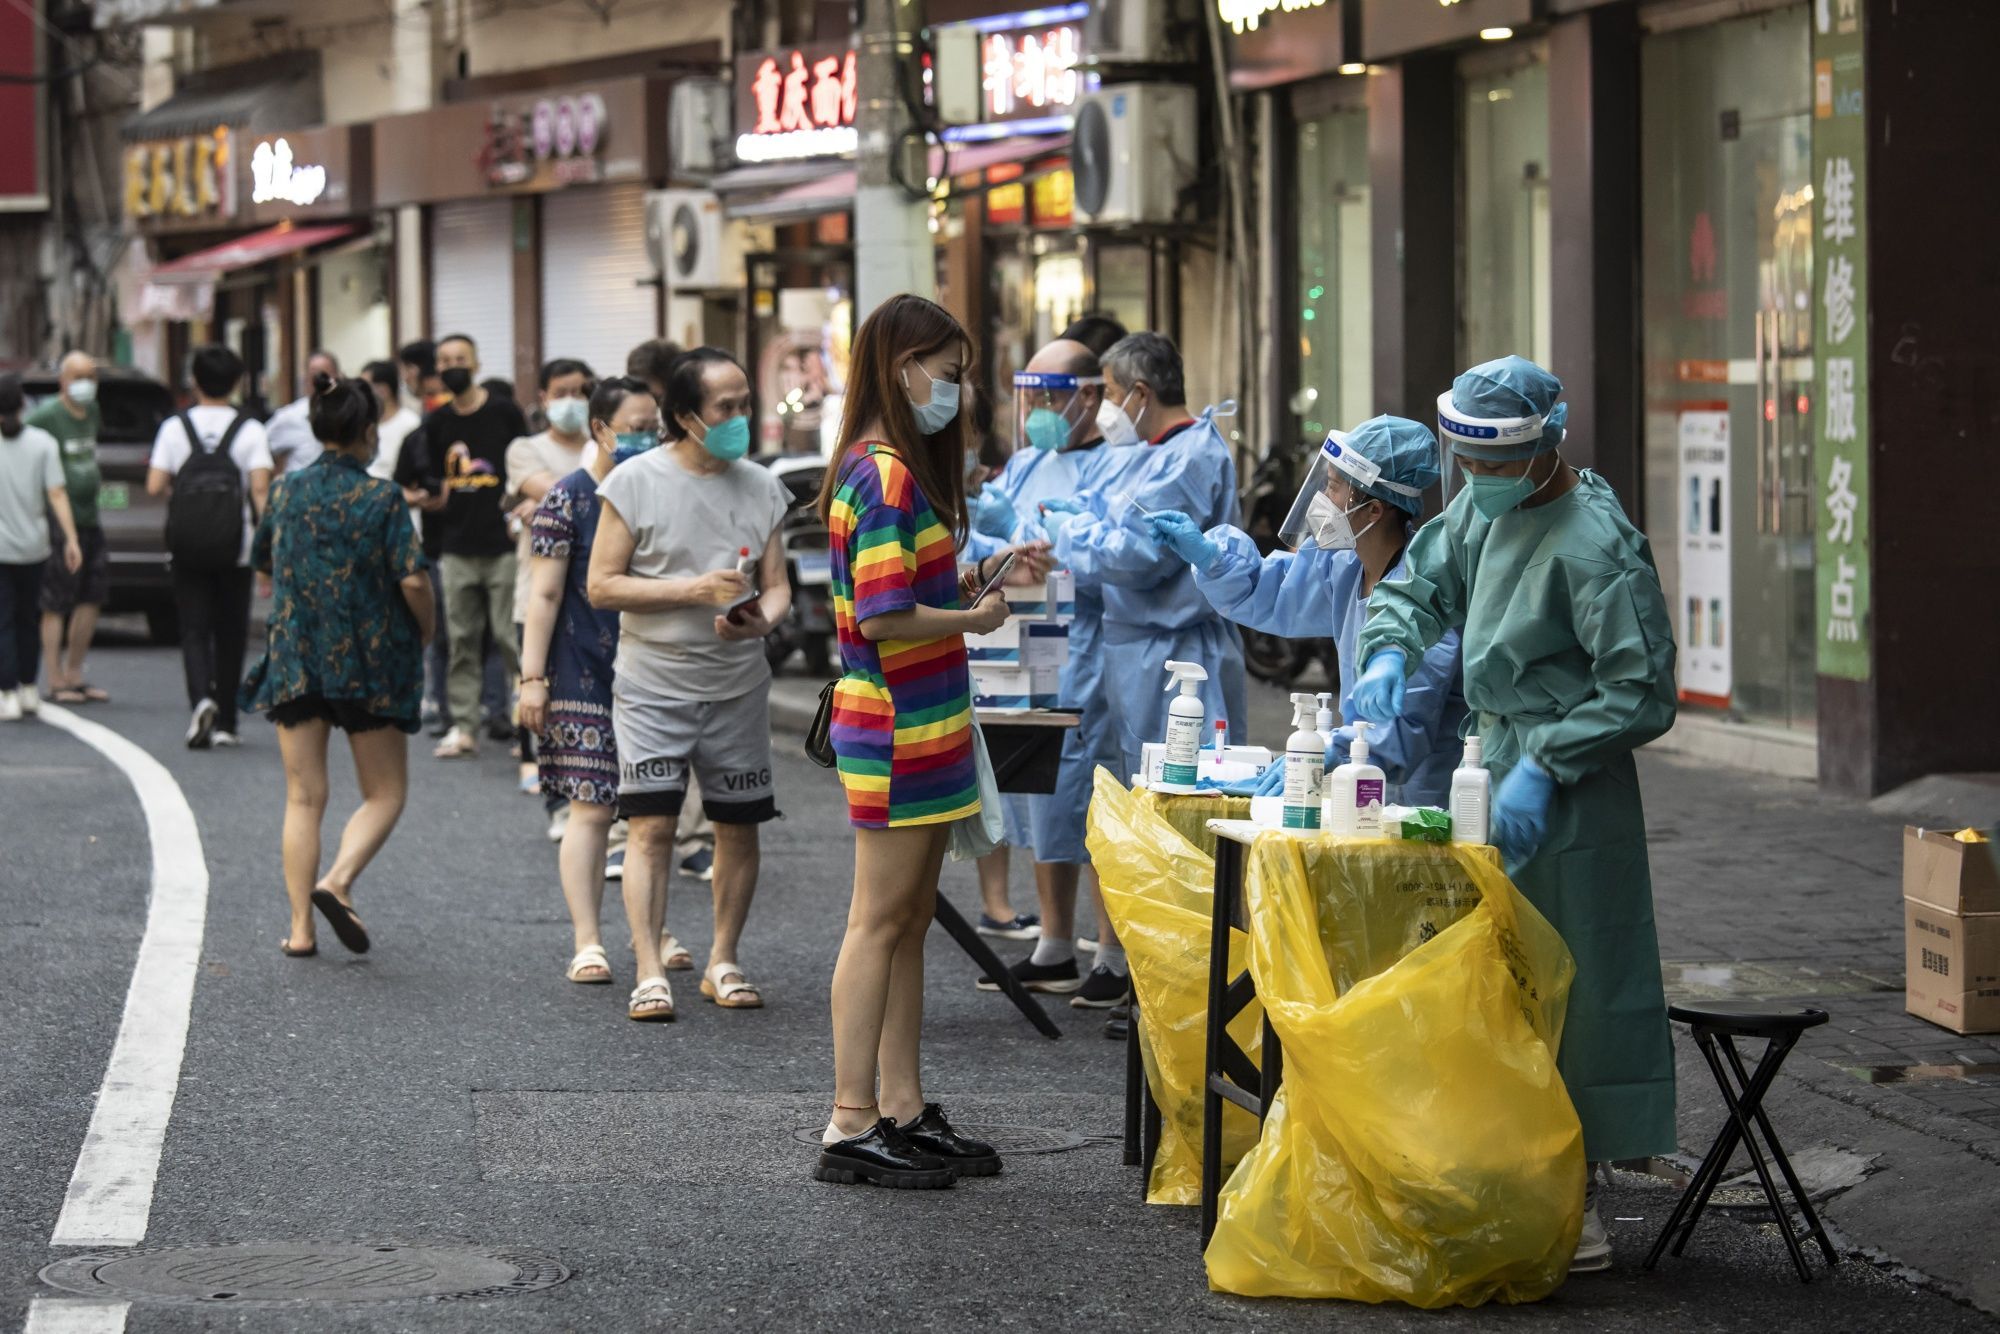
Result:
{"points": [[902, 729]]}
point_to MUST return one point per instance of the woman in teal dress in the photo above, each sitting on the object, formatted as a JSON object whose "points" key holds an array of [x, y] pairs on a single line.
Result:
{"points": [[351, 612]]}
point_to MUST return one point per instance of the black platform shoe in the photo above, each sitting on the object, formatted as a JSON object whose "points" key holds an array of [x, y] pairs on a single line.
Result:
{"points": [[967, 1157], [884, 1156]]}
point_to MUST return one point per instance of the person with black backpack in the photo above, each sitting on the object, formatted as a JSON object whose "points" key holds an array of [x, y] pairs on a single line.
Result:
{"points": [[213, 463]]}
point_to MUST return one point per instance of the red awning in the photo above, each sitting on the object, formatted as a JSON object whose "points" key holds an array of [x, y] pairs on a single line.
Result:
{"points": [[834, 191], [245, 251]]}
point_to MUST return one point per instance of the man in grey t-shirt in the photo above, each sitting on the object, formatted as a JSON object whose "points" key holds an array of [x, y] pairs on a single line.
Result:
{"points": [[692, 686]]}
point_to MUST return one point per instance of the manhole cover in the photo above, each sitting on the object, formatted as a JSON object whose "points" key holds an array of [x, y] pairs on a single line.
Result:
{"points": [[1007, 1139], [261, 1273]]}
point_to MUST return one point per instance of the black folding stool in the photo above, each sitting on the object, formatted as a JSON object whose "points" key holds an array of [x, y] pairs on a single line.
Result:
{"points": [[1715, 1029]]}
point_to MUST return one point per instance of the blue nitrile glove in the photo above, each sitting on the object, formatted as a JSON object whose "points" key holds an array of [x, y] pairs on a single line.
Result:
{"points": [[1271, 783], [1056, 513], [1183, 536], [1337, 748], [1378, 693], [1235, 787], [993, 514], [1521, 813]]}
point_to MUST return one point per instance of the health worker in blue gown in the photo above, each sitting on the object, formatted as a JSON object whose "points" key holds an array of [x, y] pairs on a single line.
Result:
{"points": [[1569, 668], [1059, 452], [1350, 525], [1152, 609]]}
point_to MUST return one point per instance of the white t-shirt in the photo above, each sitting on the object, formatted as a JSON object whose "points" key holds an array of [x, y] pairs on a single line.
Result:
{"points": [[389, 437], [685, 524], [30, 468], [250, 451], [290, 435], [526, 457]]}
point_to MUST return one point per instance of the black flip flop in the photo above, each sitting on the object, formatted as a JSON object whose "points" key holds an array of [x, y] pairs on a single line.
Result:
{"points": [[342, 919], [285, 948]]}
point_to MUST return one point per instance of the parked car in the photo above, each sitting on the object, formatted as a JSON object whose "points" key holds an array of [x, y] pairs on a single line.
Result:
{"points": [[133, 406]]}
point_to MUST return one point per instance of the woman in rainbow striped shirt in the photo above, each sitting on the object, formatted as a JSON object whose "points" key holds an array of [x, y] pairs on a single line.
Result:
{"points": [[902, 729]]}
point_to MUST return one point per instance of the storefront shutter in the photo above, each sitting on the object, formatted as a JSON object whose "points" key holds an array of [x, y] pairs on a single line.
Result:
{"points": [[472, 278], [597, 304]]}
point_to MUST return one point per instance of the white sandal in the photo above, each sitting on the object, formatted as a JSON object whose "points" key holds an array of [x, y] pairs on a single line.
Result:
{"points": [[590, 956], [652, 1002], [741, 994], [674, 956]]}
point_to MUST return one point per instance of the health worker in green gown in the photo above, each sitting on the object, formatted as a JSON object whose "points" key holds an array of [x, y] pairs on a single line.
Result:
{"points": [[1569, 667]]}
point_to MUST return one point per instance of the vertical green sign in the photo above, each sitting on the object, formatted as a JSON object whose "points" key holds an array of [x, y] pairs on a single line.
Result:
{"points": [[1840, 286]]}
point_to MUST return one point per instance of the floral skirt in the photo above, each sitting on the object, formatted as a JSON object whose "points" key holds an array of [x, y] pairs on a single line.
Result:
{"points": [[577, 753]]}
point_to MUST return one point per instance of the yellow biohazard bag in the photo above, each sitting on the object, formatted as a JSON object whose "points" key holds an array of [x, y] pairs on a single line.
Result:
{"points": [[1158, 885], [1422, 1147]]}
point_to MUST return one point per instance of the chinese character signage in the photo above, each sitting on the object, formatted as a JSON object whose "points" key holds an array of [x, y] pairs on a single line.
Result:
{"points": [[1840, 279], [1026, 75], [797, 102], [186, 180], [323, 172], [560, 138]]}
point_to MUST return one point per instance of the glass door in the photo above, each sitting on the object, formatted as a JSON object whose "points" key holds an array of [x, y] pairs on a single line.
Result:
{"points": [[1727, 282], [1504, 239]]}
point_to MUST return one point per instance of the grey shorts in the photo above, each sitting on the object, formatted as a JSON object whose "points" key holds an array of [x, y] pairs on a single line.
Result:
{"points": [[725, 742]]}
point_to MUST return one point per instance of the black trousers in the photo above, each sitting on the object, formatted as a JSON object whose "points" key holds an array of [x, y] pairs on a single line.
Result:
{"points": [[20, 624], [215, 624]]}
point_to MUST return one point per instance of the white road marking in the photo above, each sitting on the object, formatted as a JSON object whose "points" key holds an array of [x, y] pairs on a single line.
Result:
{"points": [[74, 1315], [110, 1199]]}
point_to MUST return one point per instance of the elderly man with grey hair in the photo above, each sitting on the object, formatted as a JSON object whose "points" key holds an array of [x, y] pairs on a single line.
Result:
{"points": [[71, 599], [293, 444]]}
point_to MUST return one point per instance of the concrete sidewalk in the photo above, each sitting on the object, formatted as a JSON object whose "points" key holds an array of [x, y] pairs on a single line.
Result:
{"points": [[1766, 888]]}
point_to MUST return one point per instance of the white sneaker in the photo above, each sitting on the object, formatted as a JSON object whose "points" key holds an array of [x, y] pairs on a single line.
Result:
{"points": [[558, 821], [10, 706], [30, 700], [201, 727], [1593, 1247], [225, 741]]}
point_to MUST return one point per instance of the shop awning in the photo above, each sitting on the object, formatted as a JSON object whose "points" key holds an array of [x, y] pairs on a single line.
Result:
{"points": [[272, 243], [285, 94], [833, 190]]}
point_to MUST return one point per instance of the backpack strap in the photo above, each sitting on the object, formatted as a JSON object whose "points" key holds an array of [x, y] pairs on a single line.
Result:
{"points": [[194, 440], [229, 435]]}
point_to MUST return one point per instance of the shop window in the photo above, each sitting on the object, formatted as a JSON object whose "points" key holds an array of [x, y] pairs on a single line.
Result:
{"points": [[1335, 345], [1504, 211]]}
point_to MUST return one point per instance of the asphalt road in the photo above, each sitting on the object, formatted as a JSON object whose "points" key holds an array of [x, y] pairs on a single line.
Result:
{"points": [[451, 1087]]}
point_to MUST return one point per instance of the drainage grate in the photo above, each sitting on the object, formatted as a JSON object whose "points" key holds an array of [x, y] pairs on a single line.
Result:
{"points": [[267, 1273], [1007, 1139]]}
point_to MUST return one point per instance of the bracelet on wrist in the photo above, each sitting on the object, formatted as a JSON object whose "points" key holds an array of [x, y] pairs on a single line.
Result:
{"points": [[534, 681]]}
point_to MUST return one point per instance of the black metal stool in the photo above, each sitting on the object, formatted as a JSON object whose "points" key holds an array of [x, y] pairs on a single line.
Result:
{"points": [[1715, 1029]]}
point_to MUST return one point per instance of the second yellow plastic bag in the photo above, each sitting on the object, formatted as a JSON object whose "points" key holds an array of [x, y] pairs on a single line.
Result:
{"points": [[1422, 1148], [1158, 886]]}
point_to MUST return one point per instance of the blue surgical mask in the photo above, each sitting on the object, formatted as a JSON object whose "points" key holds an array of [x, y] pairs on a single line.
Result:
{"points": [[568, 415], [942, 410], [728, 440], [1048, 429], [1494, 496], [631, 444]]}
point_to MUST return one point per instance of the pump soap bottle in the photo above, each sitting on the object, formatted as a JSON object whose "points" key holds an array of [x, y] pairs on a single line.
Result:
{"points": [[1185, 719], [1471, 796], [1305, 763], [1357, 790]]}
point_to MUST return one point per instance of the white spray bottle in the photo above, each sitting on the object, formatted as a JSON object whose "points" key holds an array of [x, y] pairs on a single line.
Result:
{"points": [[1471, 796], [1305, 764], [1357, 791], [1185, 724]]}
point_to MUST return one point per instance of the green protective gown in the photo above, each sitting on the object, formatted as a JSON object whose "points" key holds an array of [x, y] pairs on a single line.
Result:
{"points": [[1569, 658]]}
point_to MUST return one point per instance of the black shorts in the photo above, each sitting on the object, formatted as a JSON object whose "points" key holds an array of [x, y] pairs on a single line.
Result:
{"points": [[640, 805], [344, 714], [63, 592]]}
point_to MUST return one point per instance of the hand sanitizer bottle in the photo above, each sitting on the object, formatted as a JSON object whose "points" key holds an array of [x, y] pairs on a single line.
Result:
{"points": [[1305, 763], [1471, 796], [1357, 789], [1185, 719]]}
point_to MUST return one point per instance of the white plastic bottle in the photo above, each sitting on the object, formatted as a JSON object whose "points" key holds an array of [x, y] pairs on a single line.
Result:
{"points": [[1186, 721], [1305, 764], [1323, 719], [1471, 796], [1358, 791]]}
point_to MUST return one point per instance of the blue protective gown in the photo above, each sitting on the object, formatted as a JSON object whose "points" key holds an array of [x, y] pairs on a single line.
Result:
{"points": [[1569, 658], [1313, 592], [1152, 609]]}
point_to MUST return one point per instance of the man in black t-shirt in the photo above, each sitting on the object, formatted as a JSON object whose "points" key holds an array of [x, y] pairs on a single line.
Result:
{"points": [[464, 460]]}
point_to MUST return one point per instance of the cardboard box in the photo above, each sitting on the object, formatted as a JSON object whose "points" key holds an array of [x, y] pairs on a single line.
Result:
{"points": [[1021, 642], [1945, 873], [1054, 601], [997, 685], [1952, 967]]}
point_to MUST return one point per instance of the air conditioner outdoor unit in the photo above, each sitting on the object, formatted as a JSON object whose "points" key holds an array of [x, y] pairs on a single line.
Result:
{"points": [[698, 112], [1133, 152], [693, 246], [1129, 32]]}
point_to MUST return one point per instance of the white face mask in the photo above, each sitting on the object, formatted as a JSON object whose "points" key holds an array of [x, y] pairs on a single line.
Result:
{"points": [[1331, 528], [568, 415], [83, 392], [1114, 425]]}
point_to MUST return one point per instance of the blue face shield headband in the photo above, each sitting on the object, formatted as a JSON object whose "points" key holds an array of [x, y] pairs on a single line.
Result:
{"points": [[1038, 425], [1495, 439]]}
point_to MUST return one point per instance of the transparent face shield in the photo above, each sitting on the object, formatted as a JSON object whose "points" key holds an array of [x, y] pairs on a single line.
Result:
{"points": [[1487, 439], [1340, 481], [1051, 411]]}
